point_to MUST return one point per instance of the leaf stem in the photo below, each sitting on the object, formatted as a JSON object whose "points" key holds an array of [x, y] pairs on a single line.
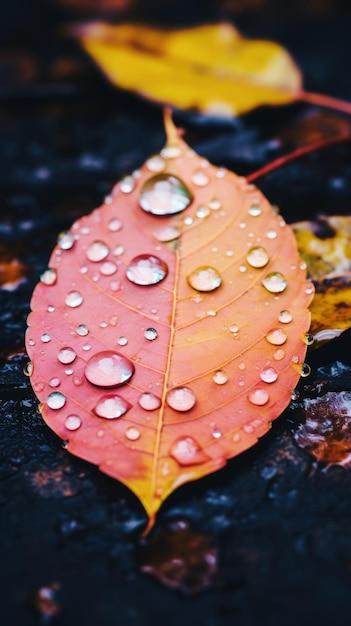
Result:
{"points": [[325, 101]]}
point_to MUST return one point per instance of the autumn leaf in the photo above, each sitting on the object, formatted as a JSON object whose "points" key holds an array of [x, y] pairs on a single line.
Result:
{"points": [[168, 330], [210, 68]]}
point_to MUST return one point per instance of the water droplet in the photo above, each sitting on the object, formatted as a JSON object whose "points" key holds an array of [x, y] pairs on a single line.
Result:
{"points": [[166, 233], [236, 437], [271, 234], [146, 269], [269, 375], [258, 396], [83, 269], [150, 334], [279, 354], [155, 163], [66, 240], [171, 152], [164, 195], [285, 317], [242, 225], [220, 173], [234, 328], [108, 369], [73, 422], [295, 394], [82, 330], [308, 339], [181, 398], [108, 268], [309, 290], [200, 178], [215, 204], [188, 220], [202, 211], [51, 308], [303, 369], [127, 184], [216, 433], [254, 210], [54, 382], [111, 406], [66, 355], [74, 299], [149, 402], [122, 341], [49, 277], [242, 269], [204, 278], [31, 342], [132, 433], [97, 251], [257, 257], [220, 378], [187, 451], [28, 368], [274, 282], [211, 313], [114, 224], [56, 400], [69, 371], [45, 338], [276, 337], [119, 250], [78, 381]]}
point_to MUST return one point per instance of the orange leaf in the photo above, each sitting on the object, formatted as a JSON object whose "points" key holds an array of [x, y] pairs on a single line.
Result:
{"points": [[210, 68], [167, 333]]}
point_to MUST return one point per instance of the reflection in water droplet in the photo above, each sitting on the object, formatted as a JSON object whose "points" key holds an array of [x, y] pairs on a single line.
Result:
{"points": [[303, 369], [279, 354], [200, 179], [254, 210], [111, 406], [49, 277], [220, 378], [308, 339], [258, 396], [276, 337], [45, 338], [155, 163], [257, 257], [150, 334], [167, 233], [66, 240], [164, 194], [146, 269], [202, 211], [82, 330], [122, 340], [114, 224], [132, 433], [28, 368], [204, 278], [73, 422], [74, 299], [269, 375], [274, 282], [97, 251], [108, 369], [56, 400], [66, 355], [127, 184], [108, 268], [187, 451], [149, 402], [181, 399], [285, 317]]}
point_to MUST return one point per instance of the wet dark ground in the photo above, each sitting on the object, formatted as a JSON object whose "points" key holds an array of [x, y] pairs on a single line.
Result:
{"points": [[267, 540]]}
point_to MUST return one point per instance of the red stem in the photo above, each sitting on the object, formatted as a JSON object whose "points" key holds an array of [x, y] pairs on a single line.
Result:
{"points": [[325, 101]]}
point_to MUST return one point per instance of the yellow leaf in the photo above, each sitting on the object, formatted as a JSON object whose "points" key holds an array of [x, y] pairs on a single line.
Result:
{"points": [[210, 68]]}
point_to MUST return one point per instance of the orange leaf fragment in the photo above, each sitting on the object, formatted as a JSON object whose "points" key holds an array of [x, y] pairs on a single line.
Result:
{"points": [[167, 333]]}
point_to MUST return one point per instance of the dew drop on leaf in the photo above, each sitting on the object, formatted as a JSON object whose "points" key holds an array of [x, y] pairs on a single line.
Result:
{"points": [[132, 433], [108, 369], [164, 194], [200, 179], [276, 337], [258, 396], [56, 400], [257, 257], [74, 299], [187, 451], [220, 378], [66, 240], [73, 422], [181, 398], [274, 282], [149, 402], [97, 251], [269, 375], [285, 317], [150, 334], [146, 269], [49, 276], [66, 355], [111, 406], [204, 278]]}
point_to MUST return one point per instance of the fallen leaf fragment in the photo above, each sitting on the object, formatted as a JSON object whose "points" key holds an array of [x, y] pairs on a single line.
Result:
{"points": [[169, 328], [209, 68]]}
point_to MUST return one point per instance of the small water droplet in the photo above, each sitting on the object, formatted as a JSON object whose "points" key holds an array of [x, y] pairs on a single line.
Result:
{"points": [[164, 194], [187, 451], [204, 278], [216, 433], [31, 342], [73, 422], [111, 406], [108, 369], [295, 394], [236, 437], [211, 313], [149, 402], [49, 277], [215, 204], [127, 184], [188, 220], [271, 234], [28, 368], [234, 328], [269, 375], [220, 377], [257, 257], [242, 225], [276, 337], [171, 151], [202, 211], [132, 433], [242, 269], [181, 398], [308, 339], [82, 330], [51, 308], [97, 251], [83, 269], [114, 224], [69, 371], [56, 400], [279, 354], [78, 381], [166, 233], [274, 282], [108, 268], [303, 369], [100, 433], [45, 338], [66, 240], [254, 210], [146, 269], [66, 355], [74, 299], [155, 163], [220, 173], [309, 290], [258, 396], [54, 382], [122, 341], [200, 178], [285, 317], [150, 334]]}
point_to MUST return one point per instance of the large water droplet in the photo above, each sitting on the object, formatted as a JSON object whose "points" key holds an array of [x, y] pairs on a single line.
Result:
{"points": [[181, 398], [73, 422], [285, 317], [200, 178], [204, 278], [164, 195], [166, 233], [276, 337], [49, 277], [109, 369], [74, 299], [149, 402], [97, 251], [187, 451], [150, 334], [274, 282], [66, 240], [220, 377], [146, 269], [56, 400], [66, 355], [257, 257], [111, 406], [269, 375], [132, 433], [258, 396]]}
